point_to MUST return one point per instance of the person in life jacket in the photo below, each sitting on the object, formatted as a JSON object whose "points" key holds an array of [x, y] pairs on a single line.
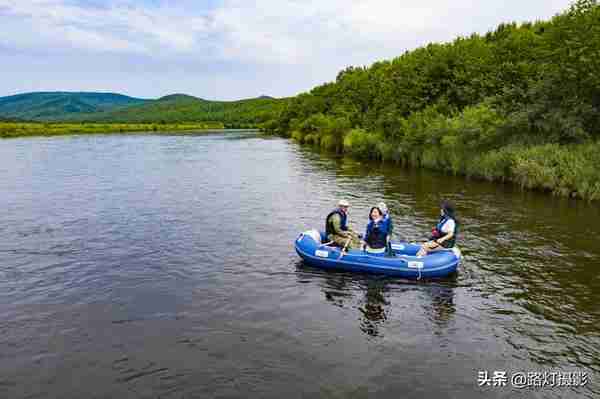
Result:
{"points": [[443, 235], [337, 229], [376, 236], [387, 219]]}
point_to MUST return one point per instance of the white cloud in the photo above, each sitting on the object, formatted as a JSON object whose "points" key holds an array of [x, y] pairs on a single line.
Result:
{"points": [[118, 27], [357, 31], [284, 31], [312, 38]]}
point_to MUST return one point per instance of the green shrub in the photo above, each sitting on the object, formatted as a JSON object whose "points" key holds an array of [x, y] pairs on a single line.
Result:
{"points": [[493, 165], [328, 142], [362, 144], [298, 136]]}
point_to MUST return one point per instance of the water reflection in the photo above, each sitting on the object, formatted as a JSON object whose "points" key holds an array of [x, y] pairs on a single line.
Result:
{"points": [[142, 242], [442, 304], [375, 307], [529, 273], [373, 296], [523, 248]]}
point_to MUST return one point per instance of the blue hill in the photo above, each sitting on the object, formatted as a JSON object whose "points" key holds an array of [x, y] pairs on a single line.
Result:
{"points": [[61, 105]]}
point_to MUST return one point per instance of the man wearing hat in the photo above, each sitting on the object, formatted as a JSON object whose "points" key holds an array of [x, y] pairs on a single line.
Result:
{"points": [[336, 227]]}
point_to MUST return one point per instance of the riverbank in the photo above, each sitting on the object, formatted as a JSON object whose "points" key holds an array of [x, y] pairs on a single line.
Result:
{"points": [[565, 170], [519, 104], [19, 129]]}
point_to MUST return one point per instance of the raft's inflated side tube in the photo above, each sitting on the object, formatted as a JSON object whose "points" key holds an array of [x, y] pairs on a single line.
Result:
{"points": [[404, 262]]}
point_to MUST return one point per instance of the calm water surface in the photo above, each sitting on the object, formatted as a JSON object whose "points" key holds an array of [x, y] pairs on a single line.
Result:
{"points": [[163, 267]]}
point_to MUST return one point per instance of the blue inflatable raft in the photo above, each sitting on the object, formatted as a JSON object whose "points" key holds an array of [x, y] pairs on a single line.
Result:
{"points": [[402, 263]]}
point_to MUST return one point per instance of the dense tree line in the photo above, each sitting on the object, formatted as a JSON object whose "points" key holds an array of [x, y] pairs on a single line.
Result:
{"points": [[182, 108], [520, 103]]}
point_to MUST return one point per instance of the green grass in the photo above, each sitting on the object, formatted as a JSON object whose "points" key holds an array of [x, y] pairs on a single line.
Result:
{"points": [[10, 129], [564, 170]]}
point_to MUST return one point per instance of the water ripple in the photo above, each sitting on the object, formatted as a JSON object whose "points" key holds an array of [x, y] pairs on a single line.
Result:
{"points": [[162, 266]]}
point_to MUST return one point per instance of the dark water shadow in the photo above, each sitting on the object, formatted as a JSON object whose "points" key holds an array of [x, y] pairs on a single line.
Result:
{"points": [[371, 295]]}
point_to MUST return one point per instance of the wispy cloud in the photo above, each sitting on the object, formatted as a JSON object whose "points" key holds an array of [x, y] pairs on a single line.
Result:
{"points": [[119, 27], [312, 37]]}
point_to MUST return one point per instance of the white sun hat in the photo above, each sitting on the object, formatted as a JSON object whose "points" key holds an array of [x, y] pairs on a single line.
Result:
{"points": [[383, 207], [343, 203]]}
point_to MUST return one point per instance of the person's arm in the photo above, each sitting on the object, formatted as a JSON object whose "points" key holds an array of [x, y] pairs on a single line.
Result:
{"points": [[386, 225], [444, 238], [370, 227], [351, 231], [449, 226]]}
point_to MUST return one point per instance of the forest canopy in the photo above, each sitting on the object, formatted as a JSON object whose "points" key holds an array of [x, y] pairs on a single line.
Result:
{"points": [[520, 103]]}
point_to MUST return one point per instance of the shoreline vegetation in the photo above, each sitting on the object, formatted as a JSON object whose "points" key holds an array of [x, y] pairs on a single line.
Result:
{"points": [[519, 104], [25, 129]]}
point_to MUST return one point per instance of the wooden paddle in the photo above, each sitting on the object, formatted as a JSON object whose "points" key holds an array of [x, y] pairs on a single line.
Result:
{"points": [[344, 249]]}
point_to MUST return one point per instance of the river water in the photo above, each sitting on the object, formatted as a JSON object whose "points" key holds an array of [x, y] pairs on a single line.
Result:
{"points": [[162, 266]]}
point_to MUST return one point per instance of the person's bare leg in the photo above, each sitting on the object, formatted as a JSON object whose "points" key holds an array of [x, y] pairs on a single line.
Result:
{"points": [[427, 247]]}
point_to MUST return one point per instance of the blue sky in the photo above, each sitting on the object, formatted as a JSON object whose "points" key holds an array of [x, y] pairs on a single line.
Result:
{"points": [[225, 49]]}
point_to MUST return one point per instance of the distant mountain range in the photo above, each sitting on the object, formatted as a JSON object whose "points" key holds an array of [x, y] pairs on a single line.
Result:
{"points": [[42, 106], [113, 107], [10, 120]]}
